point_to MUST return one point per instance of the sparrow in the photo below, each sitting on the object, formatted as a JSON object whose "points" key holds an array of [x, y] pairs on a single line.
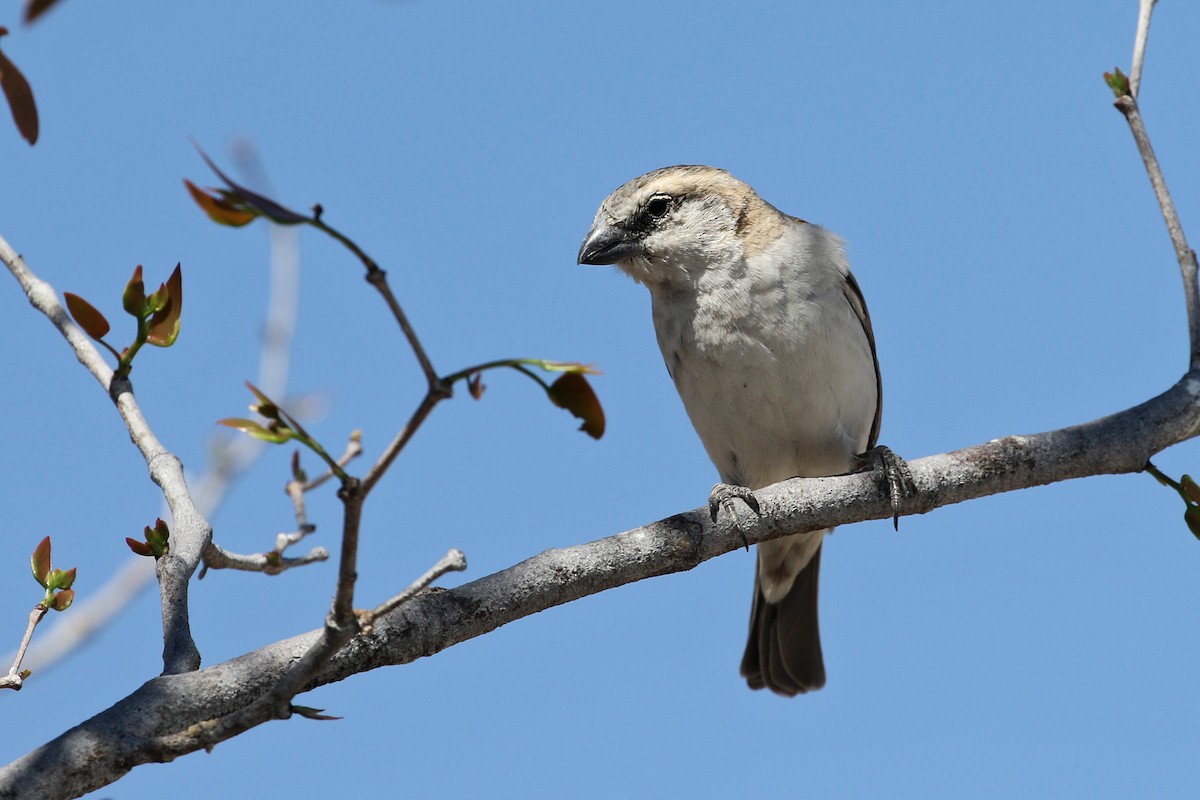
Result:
{"points": [[767, 338]]}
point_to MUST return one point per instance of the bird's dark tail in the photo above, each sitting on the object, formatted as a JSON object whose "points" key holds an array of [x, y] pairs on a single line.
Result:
{"points": [[783, 653]]}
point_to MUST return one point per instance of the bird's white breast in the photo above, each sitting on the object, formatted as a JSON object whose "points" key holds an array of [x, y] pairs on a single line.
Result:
{"points": [[770, 359]]}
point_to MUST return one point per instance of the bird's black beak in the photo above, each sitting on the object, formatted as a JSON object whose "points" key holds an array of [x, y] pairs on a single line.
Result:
{"points": [[607, 244]]}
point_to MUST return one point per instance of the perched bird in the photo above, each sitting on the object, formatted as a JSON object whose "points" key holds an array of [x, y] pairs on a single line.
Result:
{"points": [[766, 335]]}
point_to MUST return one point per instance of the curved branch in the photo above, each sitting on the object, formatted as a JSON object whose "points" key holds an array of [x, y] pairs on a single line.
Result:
{"points": [[190, 531], [173, 715]]}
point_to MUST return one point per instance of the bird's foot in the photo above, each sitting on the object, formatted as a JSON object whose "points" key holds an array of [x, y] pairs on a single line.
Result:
{"points": [[721, 499], [894, 477]]}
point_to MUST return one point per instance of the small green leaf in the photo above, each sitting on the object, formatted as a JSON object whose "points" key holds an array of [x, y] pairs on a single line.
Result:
{"points": [[573, 392], [1117, 81], [164, 325], [258, 394], [134, 298], [85, 314], [159, 535], [157, 301], [272, 411], [1190, 488], [61, 579], [41, 562], [1192, 518], [63, 600], [561, 366], [256, 430]]}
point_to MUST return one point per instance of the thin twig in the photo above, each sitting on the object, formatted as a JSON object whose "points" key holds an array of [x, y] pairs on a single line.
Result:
{"points": [[352, 499], [378, 279], [1145, 9], [1184, 254], [295, 492], [376, 472], [274, 562], [216, 557], [353, 450], [453, 561], [15, 678]]}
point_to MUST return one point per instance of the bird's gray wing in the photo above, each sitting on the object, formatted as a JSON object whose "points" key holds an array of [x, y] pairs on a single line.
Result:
{"points": [[854, 296]]}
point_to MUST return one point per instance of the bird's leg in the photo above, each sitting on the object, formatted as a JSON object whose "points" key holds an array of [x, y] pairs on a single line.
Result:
{"points": [[721, 498], [894, 477]]}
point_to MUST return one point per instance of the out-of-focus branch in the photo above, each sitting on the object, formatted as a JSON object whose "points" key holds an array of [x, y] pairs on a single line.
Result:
{"points": [[453, 561]]}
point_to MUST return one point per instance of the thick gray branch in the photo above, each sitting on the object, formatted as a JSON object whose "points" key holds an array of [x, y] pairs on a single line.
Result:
{"points": [[165, 717]]}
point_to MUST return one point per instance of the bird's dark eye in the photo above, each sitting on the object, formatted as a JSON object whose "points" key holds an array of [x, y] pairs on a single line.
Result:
{"points": [[658, 206]]}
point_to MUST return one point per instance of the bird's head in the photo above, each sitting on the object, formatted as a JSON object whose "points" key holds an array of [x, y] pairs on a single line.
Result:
{"points": [[668, 226]]}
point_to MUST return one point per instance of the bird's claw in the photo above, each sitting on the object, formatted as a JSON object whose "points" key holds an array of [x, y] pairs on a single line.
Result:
{"points": [[721, 498], [894, 476]]}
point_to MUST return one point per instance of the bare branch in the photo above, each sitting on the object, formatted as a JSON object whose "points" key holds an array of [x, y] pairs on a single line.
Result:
{"points": [[1127, 105], [1145, 9], [15, 678], [342, 614], [191, 532], [378, 278], [272, 563], [453, 561], [428, 402], [353, 450]]}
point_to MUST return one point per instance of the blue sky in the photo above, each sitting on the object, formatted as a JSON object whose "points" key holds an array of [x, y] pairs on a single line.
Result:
{"points": [[1041, 643]]}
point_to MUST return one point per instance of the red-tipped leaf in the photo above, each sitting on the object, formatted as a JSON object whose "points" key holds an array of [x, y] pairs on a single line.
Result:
{"points": [[40, 561], [164, 325], [219, 209], [134, 297], [63, 600], [263, 205], [140, 548], [86, 316]]}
